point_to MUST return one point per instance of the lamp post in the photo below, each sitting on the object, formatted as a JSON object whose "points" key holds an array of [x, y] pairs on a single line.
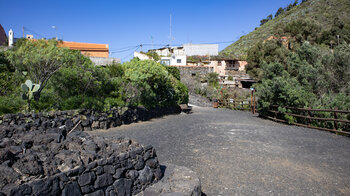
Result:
{"points": [[54, 27]]}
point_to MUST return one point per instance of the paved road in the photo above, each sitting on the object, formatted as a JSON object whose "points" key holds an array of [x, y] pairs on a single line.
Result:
{"points": [[236, 153]]}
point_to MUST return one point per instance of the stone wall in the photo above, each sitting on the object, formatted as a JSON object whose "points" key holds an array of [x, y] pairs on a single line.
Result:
{"points": [[52, 154], [195, 70], [125, 174], [84, 120]]}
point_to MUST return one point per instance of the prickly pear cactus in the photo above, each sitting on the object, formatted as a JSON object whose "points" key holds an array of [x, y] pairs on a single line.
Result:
{"points": [[28, 91]]}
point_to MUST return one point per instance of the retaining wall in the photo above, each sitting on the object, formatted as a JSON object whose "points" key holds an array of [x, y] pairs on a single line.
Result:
{"points": [[84, 120], [125, 174]]}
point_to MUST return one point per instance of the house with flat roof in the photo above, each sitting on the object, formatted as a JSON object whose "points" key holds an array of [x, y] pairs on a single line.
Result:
{"points": [[87, 49], [98, 53]]}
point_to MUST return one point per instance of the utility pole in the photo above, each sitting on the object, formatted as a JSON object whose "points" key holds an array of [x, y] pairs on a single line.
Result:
{"points": [[170, 32], [170, 36], [22, 31]]}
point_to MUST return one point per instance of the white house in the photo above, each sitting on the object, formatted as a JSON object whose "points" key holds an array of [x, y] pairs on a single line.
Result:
{"points": [[201, 49]]}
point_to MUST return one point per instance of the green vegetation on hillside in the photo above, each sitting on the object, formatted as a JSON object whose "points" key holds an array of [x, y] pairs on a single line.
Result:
{"points": [[69, 80], [306, 60], [322, 12]]}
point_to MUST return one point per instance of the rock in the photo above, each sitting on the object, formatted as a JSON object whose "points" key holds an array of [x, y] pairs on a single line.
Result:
{"points": [[123, 187], [69, 124], [99, 170], [95, 125], [86, 178], [7, 175], [177, 180], [132, 174], [119, 173], [145, 175], [103, 180], [139, 163], [85, 123], [87, 189], [5, 155], [48, 186], [110, 191], [71, 189], [109, 169], [152, 163], [96, 193], [21, 190], [103, 125], [30, 165]]}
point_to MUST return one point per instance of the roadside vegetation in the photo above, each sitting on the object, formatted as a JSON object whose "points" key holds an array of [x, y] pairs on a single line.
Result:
{"points": [[66, 79]]}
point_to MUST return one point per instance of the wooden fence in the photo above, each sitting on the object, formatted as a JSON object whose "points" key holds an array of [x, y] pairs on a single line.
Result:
{"points": [[331, 119], [238, 104]]}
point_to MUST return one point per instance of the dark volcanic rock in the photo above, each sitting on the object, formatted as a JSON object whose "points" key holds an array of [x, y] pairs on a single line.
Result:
{"points": [[30, 165], [86, 178], [145, 175], [47, 187], [123, 186], [71, 189], [103, 180]]}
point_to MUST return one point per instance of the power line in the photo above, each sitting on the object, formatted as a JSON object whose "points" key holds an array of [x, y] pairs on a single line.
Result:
{"points": [[131, 53], [31, 31]]}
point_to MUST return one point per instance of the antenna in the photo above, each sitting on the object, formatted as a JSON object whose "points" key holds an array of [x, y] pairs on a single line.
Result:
{"points": [[170, 36], [152, 41]]}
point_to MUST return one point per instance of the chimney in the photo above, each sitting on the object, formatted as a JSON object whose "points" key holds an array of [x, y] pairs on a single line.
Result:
{"points": [[10, 38]]}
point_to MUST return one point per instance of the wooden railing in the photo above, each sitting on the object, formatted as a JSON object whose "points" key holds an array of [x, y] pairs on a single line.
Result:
{"points": [[235, 104], [335, 121]]}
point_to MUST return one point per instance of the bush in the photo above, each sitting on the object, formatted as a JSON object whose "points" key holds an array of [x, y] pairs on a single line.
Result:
{"points": [[11, 104], [174, 71], [154, 82]]}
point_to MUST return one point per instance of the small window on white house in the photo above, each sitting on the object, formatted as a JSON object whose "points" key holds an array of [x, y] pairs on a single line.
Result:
{"points": [[178, 61]]}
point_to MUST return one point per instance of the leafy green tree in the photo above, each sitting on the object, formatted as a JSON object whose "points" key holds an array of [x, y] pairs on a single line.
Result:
{"points": [[40, 59], [279, 12], [153, 80], [174, 71]]}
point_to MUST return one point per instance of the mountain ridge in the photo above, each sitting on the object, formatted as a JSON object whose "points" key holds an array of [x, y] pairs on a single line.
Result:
{"points": [[321, 11]]}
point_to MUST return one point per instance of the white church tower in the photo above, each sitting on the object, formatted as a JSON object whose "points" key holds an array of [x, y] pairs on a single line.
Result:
{"points": [[10, 38]]}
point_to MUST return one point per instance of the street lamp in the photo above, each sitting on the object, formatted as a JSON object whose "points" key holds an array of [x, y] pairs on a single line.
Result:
{"points": [[54, 27]]}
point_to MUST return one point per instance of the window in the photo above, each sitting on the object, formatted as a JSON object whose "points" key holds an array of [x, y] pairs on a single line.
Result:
{"points": [[178, 61]]}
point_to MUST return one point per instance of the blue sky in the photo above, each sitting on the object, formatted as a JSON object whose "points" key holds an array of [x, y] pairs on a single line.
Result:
{"points": [[122, 23]]}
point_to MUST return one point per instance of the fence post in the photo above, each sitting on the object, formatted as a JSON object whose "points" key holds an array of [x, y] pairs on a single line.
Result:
{"points": [[254, 104], [251, 101], [309, 115], [335, 122]]}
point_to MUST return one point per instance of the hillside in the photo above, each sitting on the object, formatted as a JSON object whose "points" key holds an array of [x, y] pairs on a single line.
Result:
{"points": [[321, 11]]}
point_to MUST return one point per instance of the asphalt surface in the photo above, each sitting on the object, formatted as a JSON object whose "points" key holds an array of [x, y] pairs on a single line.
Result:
{"points": [[236, 153]]}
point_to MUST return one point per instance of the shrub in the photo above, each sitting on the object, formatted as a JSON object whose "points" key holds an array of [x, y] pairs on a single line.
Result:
{"points": [[11, 104]]}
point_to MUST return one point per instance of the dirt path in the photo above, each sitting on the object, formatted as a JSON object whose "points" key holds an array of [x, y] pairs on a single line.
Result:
{"points": [[236, 153]]}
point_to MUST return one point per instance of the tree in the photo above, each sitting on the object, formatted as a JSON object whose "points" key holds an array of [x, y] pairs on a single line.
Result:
{"points": [[40, 59], [295, 3], [267, 19], [279, 12]]}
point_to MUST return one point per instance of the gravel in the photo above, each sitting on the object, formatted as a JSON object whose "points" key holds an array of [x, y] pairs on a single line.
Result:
{"points": [[236, 153]]}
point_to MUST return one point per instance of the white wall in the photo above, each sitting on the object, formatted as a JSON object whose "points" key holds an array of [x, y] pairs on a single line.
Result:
{"points": [[141, 56], [175, 60], [201, 49]]}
